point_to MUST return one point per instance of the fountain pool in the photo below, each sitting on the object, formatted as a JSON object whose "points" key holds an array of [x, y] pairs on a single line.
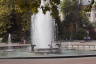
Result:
{"points": [[24, 53]]}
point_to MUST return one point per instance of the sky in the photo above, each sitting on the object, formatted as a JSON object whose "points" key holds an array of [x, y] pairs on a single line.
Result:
{"points": [[86, 2]]}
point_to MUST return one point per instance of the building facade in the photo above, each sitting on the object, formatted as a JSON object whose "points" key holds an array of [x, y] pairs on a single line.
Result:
{"points": [[90, 14]]}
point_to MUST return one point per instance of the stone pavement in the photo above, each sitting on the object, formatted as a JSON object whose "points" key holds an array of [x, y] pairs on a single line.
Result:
{"points": [[86, 60]]}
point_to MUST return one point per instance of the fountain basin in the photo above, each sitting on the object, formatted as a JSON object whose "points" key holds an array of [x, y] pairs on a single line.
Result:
{"points": [[21, 53]]}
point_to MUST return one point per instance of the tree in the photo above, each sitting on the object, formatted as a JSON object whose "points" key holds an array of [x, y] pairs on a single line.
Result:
{"points": [[75, 18], [17, 13]]}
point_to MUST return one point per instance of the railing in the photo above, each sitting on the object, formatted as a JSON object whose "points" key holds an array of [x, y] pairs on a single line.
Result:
{"points": [[80, 45]]}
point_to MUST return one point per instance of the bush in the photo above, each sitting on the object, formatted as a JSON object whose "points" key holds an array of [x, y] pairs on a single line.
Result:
{"points": [[80, 34]]}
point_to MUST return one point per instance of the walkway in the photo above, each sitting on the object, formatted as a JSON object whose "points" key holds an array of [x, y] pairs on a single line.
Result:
{"points": [[90, 60]]}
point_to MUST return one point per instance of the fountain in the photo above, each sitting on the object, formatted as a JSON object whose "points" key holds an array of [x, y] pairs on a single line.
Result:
{"points": [[9, 44], [42, 29], [42, 32]]}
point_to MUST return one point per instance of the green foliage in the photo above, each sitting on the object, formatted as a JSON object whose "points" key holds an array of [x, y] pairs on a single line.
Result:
{"points": [[87, 8], [56, 2], [28, 5], [75, 20], [80, 34], [67, 6], [15, 15]]}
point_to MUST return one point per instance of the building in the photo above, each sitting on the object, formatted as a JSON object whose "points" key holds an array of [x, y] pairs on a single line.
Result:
{"points": [[90, 14]]}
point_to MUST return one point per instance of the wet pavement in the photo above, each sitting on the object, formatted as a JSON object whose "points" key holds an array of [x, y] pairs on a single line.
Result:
{"points": [[83, 60]]}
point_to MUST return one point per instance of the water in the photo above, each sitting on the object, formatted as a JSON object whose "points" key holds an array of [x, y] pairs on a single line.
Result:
{"points": [[9, 43], [42, 29], [23, 53]]}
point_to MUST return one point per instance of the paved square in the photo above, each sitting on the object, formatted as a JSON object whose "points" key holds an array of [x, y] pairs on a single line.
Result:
{"points": [[88, 60]]}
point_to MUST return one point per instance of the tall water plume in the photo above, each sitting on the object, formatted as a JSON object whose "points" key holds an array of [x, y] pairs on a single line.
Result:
{"points": [[42, 29]]}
